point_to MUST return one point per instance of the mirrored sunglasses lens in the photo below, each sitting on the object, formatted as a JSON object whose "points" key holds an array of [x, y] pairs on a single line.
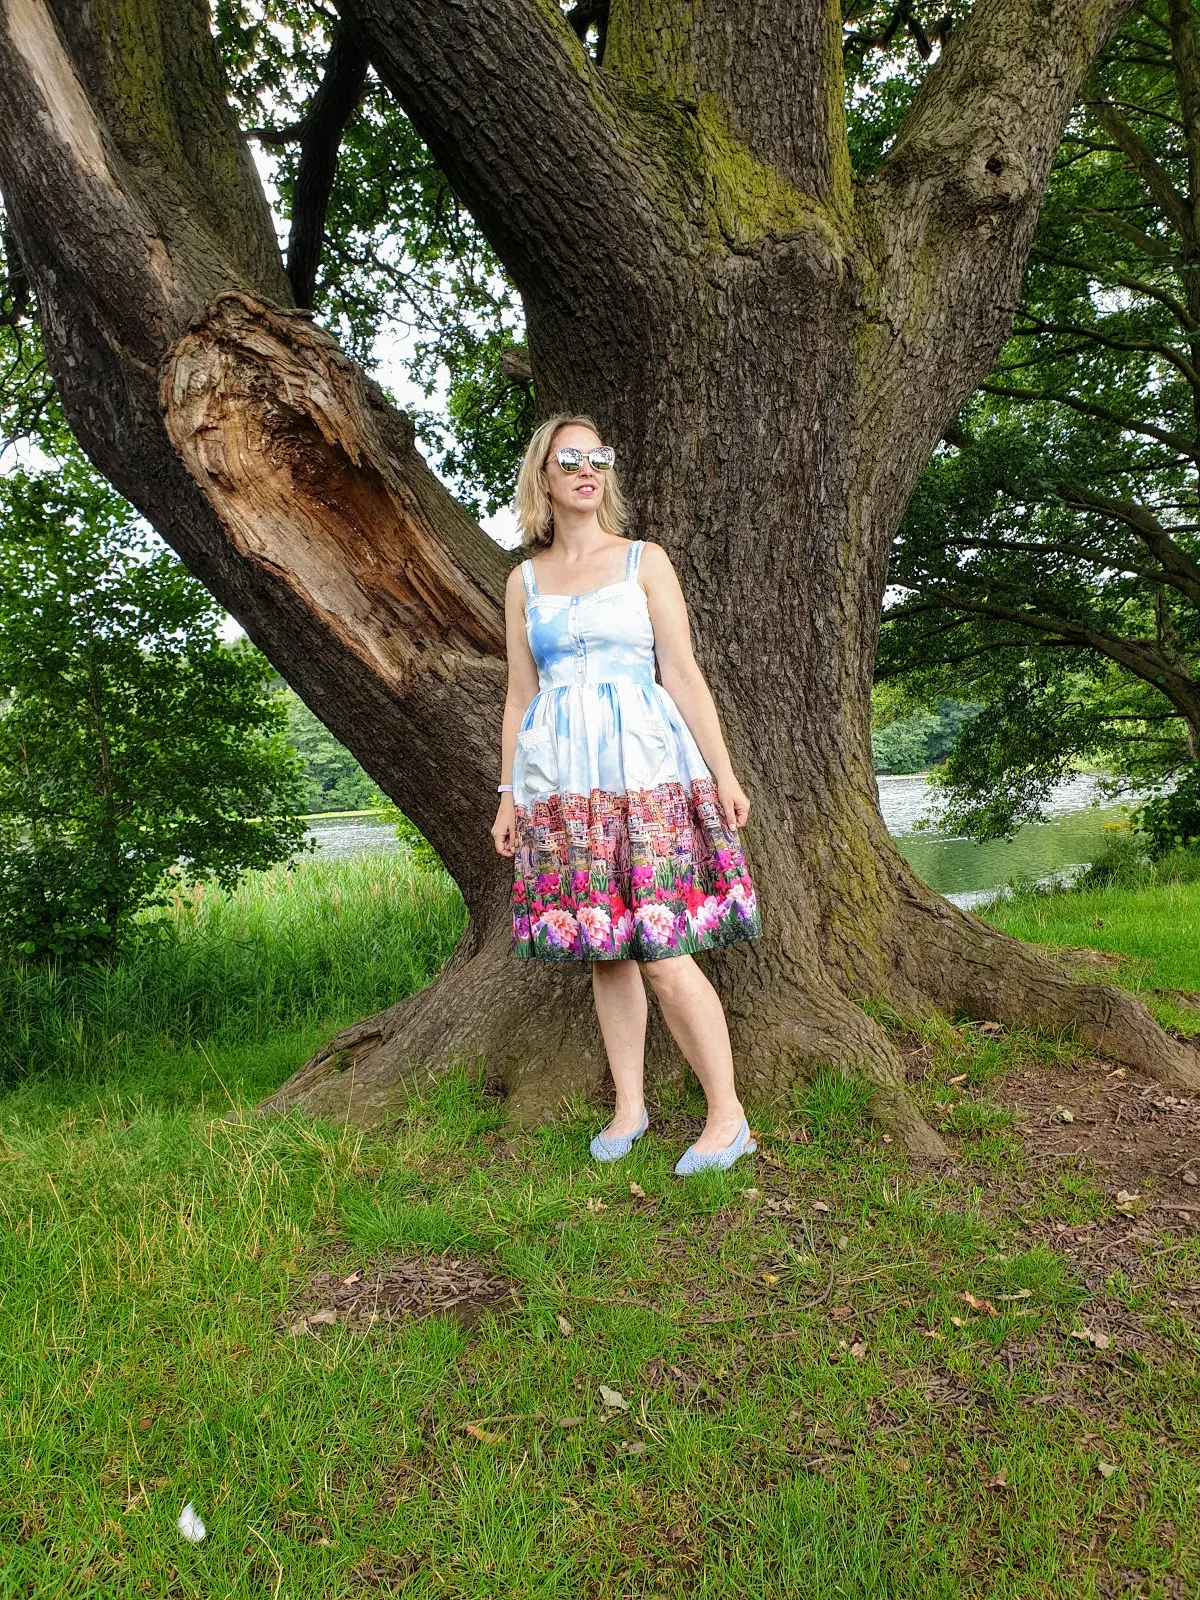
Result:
{"points": [[569, 460], [603, 458]]}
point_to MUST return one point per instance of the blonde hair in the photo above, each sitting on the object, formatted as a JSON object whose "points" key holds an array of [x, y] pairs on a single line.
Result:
{"points": [[532, 499]]}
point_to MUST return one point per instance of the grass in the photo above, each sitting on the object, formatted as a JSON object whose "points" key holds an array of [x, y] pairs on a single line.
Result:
{"points": [[317, 945], [791, 1441], [814, 1408]]}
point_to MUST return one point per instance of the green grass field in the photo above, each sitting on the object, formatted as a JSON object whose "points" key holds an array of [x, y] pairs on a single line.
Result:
{"points": [[815, 1407]]}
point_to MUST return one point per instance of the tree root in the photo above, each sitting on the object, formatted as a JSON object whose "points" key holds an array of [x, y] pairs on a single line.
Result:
{"points": [[972, 969], [533, 1029]]}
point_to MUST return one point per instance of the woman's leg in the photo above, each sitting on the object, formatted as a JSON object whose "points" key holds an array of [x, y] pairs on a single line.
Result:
{"points": [[621, 1007], [693, 1012]]}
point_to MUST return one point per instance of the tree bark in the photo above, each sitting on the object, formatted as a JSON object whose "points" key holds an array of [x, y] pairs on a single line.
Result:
{"points": [[774, 349]]}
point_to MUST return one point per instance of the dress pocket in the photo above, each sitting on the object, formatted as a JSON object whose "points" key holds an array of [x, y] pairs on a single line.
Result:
{"points": [[535, 767], [646, 752]]}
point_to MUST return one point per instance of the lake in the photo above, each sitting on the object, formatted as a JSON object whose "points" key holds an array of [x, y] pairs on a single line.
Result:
{"points": [[964, 872]]}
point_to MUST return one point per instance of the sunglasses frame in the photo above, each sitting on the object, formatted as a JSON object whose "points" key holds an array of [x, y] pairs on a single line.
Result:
{"points": [[573, 451]]}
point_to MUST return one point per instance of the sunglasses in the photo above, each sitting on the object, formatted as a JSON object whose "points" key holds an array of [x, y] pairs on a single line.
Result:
{"points": [[570, 459]]}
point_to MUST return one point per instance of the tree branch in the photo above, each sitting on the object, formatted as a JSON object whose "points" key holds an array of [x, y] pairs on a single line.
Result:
{"points": [[1087, 408], [1179, 566], [1158, 183], [530, 135], [332, 107], [1144, 660], [950, 215]]}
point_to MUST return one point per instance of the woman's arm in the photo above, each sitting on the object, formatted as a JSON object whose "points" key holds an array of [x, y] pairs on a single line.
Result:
{"points": [[682, 678], [522, 686]]}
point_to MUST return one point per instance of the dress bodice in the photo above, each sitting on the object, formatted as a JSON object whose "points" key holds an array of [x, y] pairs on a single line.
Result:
{"points": [[599, 637]]}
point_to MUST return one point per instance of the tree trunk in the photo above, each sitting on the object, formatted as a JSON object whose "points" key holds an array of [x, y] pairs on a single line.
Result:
{"points": [[773, 348]]}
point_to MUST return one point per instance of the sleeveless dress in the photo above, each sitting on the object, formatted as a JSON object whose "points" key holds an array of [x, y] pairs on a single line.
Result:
{"points": [[622, 846]]}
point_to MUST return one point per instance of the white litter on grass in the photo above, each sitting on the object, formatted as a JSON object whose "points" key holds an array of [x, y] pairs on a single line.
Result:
{"points": [[190, 1526]]}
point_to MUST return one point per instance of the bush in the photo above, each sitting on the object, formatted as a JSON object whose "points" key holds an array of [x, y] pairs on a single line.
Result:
{"points": [[1171, 822]]}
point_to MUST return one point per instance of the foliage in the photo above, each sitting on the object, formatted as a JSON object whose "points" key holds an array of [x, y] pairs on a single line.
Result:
{"points": [[132, 743], [1171, 821], [333, 779], [1049, 563], [315, 943], [921, 738]]}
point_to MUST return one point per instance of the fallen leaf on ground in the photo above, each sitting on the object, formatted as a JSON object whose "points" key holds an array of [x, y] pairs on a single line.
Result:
{"points": [[770, 1277], [632, 1447], [903, 1464], [1000, 1481], [1089, 1336], [991, 1027], [1191, 1178], [962, 1078], [840, 1311], [595, 1205], [978, 1305], [843, 1241], [930, 1333], [751, 1194], [481, 1434], [820, 1205], [353, 1278], [1106, 1468], [564, 1327], [613, 1398], [1017, 1294], [858, 1349], [963, 1322], [570, 1422], [322, 1319], [637, 1191], [1127, 1200], [1065, 1114]]}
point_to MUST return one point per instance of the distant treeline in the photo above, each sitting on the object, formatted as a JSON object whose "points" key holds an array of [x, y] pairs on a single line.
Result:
{"points": [[922, 738], [333, 779]]}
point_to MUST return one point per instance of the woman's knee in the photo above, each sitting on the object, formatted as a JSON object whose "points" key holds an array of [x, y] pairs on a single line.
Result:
{"points": [[668, 975]]}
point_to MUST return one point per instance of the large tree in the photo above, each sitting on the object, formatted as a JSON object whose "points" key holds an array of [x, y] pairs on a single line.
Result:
{"points": [[774, 343]]}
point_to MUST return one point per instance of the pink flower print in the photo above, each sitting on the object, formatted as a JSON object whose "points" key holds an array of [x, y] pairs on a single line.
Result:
{"points": [[658, 925], [707, 915], [521, 928], [547, 883], [622, 930], [561, 927], [596, 925], [519, 889], [616, 905], [641, 877], [579, 881], [722, 860]]}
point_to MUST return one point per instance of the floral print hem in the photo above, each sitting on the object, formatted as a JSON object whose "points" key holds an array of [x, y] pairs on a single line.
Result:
{"points": [[643, 875]]}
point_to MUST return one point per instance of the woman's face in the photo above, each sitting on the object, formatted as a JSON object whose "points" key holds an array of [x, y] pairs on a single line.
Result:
{"points": [[577, 491]]}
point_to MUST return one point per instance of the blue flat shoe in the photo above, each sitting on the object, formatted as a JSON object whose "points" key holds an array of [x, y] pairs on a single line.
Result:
{"points": [[614, 1146], [693, 1160]]}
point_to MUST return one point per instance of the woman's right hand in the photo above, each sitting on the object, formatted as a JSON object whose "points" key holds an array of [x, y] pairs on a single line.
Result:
{"points": [[504, 829]]}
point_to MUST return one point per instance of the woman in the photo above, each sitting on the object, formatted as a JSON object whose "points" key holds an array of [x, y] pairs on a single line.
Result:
{"points": [[618, 800]]}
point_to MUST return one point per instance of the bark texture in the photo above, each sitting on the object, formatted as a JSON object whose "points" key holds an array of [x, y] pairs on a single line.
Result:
{"points": [[774, 347]]}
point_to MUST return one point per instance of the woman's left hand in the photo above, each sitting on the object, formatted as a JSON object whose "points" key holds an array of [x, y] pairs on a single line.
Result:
{"points": [[733, 801]]}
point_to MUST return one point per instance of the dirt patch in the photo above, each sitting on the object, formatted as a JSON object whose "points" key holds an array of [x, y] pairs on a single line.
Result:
{"points": [[403, 1290], [1139, 1137]]}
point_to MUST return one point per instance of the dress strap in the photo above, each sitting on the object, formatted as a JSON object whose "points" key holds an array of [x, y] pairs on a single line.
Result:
{"points": [[634, 559], [530, 580]]}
